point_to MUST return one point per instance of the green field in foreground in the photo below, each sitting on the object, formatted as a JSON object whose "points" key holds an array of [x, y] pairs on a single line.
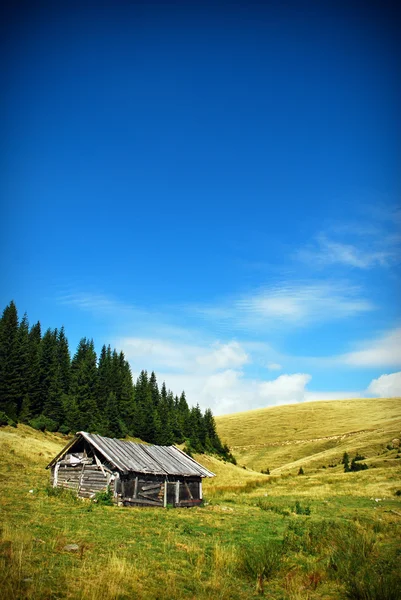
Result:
{"points": [[326, 534]]}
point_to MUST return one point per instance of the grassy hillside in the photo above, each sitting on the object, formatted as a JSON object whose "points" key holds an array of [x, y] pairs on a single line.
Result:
{"points": [[290, 537], [313, 434]]}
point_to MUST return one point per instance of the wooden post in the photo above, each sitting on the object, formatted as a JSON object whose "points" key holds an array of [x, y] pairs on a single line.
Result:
{"points": [[55, 474], [81, 478], [165, 494], [177, 493], [200, 490], [136, 487]]}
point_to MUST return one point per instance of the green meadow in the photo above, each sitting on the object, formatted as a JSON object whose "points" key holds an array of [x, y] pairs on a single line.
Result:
{"points": [[324, 534]]}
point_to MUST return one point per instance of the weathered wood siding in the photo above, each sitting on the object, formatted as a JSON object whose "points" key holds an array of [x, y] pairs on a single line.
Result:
{"points": [[85, 480], [143, 490], [148, 490]]}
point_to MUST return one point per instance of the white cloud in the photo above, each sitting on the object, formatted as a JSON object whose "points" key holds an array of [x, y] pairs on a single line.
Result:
{"points": [[158, 354], [380, 352], [386, 386], [303, 304], [285, 389], [231, 391], [221, 356], [274, 366]]}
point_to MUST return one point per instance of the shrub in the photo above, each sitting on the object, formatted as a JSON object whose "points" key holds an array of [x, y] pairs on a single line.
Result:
{"points": [[366, 571], [397, 493], [266, 471], [301, 471], [5, 420], [261, 562], [265, 504], [300, 510], [358, 466], [104, 498], [64, 429], [345, 462], [309, 536], [43, 423]]}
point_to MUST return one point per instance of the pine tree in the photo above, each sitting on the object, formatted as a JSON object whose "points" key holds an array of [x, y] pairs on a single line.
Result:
{"points": [[104, 378], [23, 363], [64, 360], [154, 390], [184, 416], [164, 410], [114, 423], [213, 443], [72, 415], [25, 412], [345, 462], [9, 376], [35, 338], [50, 380], [141, 409], [126, 398], [84, 384]]}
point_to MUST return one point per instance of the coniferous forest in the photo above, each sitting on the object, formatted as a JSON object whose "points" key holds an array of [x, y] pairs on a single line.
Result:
{"points": [[42, 386]]}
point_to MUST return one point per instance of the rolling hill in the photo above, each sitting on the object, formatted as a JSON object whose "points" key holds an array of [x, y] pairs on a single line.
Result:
{"points": [[311, 434]]}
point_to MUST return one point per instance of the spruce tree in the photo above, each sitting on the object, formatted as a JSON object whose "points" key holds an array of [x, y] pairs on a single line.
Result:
{"points": [[126, 398], [23, 361], [25, 413], [114, 423], [35, 338], [50, 380], [84, 384], [64, 360], [9, 375]]}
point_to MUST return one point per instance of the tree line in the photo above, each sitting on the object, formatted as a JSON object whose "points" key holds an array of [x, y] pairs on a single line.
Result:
{"points": [[41, 385]]}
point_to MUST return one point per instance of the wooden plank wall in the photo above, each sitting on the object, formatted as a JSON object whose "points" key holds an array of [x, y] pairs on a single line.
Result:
{"points": [[86, 480]]}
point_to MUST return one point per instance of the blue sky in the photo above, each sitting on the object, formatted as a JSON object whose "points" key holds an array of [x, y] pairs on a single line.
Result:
{"points": [[214, 190]]}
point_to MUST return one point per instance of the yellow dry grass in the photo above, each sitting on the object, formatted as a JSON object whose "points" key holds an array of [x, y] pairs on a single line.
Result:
{"points": [[312, 433]]}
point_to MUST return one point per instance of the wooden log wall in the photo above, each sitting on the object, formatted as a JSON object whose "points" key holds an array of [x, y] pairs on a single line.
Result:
{"points": [[85, 480], [93, 480]]}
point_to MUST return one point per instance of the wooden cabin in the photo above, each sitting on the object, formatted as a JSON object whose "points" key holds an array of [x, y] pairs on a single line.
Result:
{"points": [[137, 474]]}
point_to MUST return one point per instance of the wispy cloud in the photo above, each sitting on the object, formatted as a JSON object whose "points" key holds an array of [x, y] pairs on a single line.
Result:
{"points": [[364, 245], [274, 366], [383, 351], [326, 252], [96, 303], [296, 304]]}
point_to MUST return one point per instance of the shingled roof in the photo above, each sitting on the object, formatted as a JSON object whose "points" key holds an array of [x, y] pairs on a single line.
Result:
{"points": [[139, 458]]}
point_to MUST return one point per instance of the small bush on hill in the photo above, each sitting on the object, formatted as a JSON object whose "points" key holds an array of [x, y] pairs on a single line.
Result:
{"points": [[104, 498], [358, 466], [301, 510], [366, 571], [5, 420], [261, 562], [43, 423], [301, 471]]}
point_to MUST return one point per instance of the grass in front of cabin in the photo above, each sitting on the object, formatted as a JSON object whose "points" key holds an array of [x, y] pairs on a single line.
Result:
{"points": [[287, 537]]}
